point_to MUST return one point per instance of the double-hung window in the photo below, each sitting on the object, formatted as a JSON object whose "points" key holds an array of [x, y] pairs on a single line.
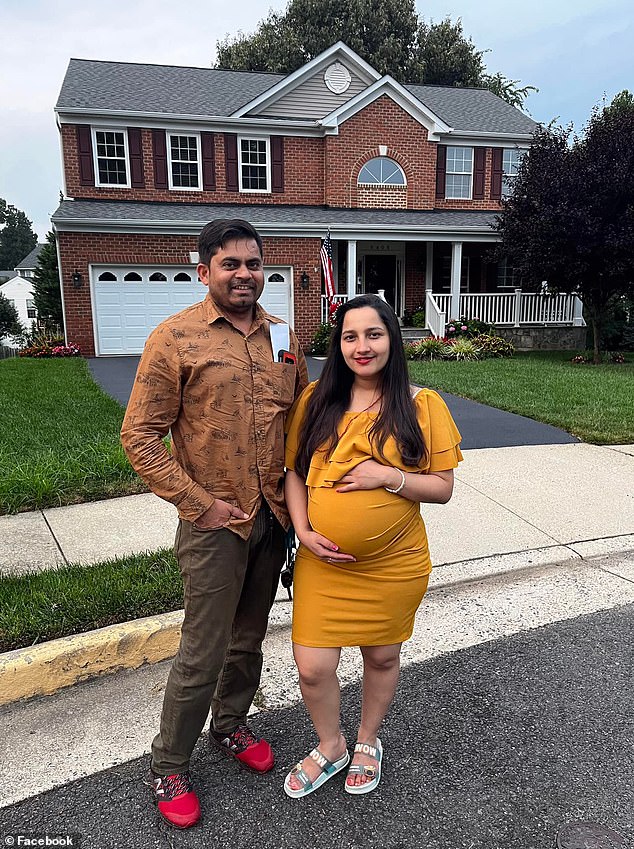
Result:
{"points": [[459, 174], [254, 164], [511, 158], [30, 308], [112, 162], [185, 169]]}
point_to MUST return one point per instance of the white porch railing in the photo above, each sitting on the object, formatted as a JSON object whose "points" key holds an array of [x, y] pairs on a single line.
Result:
{"points": [[503, 309], [338, 299], [515, 309], [435, 313]]}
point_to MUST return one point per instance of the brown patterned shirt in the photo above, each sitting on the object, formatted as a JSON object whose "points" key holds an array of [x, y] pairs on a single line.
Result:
{"points": [[225, 402]]}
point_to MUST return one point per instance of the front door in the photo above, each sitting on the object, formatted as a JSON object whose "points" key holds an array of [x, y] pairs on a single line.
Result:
{"points": [[380, 272]]}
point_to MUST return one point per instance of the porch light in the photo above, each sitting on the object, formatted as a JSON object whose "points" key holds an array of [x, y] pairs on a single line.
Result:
{"points": [[77, 279], [305, 281]]}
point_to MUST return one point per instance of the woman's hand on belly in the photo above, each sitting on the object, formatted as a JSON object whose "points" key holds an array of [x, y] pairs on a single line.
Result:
{"points": [[367, 475], [324, 548]]}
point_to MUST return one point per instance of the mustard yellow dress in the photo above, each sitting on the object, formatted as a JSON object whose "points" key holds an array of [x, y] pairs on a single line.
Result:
{"points": [[373, 600]]}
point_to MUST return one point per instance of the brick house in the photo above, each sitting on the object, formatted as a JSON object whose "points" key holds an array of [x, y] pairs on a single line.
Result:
{"points": [[406, 178]]}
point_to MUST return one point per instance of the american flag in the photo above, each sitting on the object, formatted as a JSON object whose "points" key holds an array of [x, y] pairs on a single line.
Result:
{"points": [[329, 279]]}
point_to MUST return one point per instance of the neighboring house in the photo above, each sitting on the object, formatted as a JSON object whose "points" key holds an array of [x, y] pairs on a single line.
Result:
{"points": [[19, 291], [26, 268], [407, 178]]}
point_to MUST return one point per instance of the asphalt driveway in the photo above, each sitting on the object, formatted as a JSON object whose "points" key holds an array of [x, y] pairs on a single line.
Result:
{"points": [[480, 426]]}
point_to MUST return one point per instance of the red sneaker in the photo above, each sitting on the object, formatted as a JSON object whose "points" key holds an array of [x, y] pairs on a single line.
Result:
{"points": [[177, 801], [245, 747]]}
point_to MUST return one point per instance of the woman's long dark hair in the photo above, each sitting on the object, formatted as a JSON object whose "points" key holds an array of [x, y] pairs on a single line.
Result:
{"points": [[331, 397]]}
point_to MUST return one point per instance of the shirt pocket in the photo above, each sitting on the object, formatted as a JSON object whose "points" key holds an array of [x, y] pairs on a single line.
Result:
{"points": [[279, 384]]}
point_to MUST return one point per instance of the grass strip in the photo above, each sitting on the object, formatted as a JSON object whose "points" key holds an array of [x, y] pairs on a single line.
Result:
{"points": [[595, 403], [59, 442], [59, 602]]}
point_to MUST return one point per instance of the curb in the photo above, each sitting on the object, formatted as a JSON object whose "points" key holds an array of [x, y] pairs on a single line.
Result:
{"points": [[44, 669]]}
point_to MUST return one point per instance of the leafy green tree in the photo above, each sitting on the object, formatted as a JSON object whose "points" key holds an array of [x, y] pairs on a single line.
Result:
{"points": [[46, 289], [9, 320], [388, 34], [570, 218], [17, 239]]}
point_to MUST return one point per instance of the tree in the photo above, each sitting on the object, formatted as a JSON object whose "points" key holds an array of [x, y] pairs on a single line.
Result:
{"points": [[17, 239], [9, 319], [388, 34], [570, 218], [46, 289]]}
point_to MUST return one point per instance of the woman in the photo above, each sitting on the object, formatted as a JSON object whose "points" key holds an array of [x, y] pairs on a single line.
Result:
{"points": [[363, 450]]}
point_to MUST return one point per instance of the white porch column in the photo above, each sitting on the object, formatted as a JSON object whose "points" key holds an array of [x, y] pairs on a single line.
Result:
{"points": [[577, 315], [351, 269], [456, 269], [429, 267]]}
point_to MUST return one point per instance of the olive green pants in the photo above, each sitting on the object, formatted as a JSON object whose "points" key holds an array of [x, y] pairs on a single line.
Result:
{"points": [[229, 588]]}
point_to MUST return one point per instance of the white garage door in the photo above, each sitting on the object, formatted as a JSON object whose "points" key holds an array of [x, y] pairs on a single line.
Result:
{"points": [[129, 302]]}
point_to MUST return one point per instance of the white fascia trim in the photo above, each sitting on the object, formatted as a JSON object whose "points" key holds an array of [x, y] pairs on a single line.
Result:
{"points": [[297, 77], [386, 85], [196, 123], [523, 140], [409, 232]]}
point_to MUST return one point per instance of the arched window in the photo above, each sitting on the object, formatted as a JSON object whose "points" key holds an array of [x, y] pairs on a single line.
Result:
{"points": [[181, 277], [133, 277], [107, 275], [276, 278], [157, 277], [381, 171]]}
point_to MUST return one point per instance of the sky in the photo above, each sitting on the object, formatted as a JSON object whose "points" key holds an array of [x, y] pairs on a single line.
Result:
{"points": [[576, 52]]}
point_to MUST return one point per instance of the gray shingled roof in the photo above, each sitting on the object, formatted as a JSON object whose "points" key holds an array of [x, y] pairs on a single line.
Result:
{"points": [[262, 214], [30, 260], [474, 109], [168, 89], [171, 90]]}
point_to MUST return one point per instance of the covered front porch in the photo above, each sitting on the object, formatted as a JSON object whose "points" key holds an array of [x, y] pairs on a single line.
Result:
{"points": [[449, 280]]}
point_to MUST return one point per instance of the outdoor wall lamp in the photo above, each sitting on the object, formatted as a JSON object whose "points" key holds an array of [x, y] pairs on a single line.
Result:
{"points": [[305, 280], [78, 280]]}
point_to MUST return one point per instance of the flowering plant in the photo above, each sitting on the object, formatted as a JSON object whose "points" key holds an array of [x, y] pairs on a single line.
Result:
{"points": [[468, 327], [50, 348]]}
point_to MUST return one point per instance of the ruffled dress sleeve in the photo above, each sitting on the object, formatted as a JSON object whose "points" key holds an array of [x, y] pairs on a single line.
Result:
{"points": [[442, 437]]}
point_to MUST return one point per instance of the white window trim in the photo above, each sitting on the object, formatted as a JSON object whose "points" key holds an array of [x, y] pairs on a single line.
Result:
{"points": [[402, 185], [507, 176], [172, 187], [266, 139], [124, 132], [460, 173]]}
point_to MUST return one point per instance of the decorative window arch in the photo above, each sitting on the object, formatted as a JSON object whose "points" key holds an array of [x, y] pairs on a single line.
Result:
{"points": [[133, 276], [158, 277], [276, 278], [381, 171], [107, 276], [182, 277]]}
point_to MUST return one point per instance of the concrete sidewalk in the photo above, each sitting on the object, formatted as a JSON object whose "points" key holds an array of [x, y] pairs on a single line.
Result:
{"points": [[566, 500], [513, 508]]}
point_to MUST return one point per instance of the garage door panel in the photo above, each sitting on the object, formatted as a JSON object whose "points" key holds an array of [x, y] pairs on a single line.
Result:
{"points": [[126, 312]]}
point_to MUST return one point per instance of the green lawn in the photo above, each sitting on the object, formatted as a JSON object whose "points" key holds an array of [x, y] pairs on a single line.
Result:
{"points": [[595, 403], [58, 602], [59, 442]]}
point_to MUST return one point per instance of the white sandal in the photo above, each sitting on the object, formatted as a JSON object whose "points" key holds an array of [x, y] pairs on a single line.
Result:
{"points": [[371, 772], [328, 769]]}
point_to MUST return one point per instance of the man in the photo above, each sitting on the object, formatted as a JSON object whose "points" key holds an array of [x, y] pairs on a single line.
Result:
{"points": [[211, 375]]}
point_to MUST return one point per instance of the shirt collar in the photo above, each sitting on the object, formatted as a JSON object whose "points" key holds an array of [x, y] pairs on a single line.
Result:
{"points": [[213, 313]]}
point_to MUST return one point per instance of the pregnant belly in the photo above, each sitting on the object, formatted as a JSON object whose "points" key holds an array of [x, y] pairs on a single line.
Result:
{"points": [[366, 523]]}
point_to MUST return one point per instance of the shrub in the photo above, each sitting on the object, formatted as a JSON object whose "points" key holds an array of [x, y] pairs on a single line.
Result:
{"points": [[411, 349], [463, 349], [492, 346], [432, 348], [469, 327], [321, 339], [414, 317]]}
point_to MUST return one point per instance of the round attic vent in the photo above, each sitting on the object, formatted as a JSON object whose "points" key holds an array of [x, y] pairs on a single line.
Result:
{"points": [[337, 78]]}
